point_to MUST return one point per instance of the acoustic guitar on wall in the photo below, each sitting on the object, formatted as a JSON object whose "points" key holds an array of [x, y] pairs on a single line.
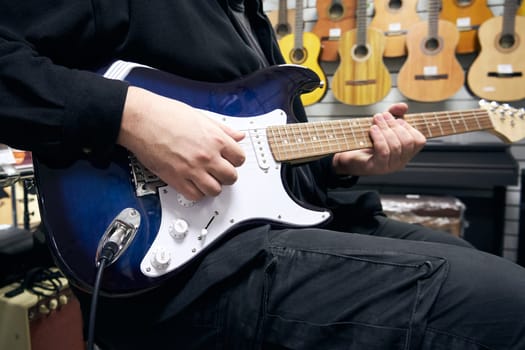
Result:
{"points": [[394, 17], [468, 16], [521, 10], [431, 71], [334, 17], [303, 48], [498, 72], [361, 77], [282, 19]]}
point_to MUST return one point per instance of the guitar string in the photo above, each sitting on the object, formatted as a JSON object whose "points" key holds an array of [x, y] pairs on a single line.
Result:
{"points": [[317, 143]]}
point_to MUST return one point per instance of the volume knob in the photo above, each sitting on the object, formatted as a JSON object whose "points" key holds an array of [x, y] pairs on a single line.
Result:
{"points": [[161, 259], [179, 228]]}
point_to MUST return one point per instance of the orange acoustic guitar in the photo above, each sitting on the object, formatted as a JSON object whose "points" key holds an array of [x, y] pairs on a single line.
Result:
{"points": [[334, 17], [394, 17], [303, 48], [282, 19], [431, 71], [468, 16], [498, 72], [361, 77]]}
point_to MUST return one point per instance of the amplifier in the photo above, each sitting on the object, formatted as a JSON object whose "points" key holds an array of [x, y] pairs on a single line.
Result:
{"points": [[50, 320]]}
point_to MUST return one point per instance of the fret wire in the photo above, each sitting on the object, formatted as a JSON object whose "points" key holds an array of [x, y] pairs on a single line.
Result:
{"points": [[451, 123], [364, 132], [438, 123], [318, 137], [345, 139], [464, 121]]}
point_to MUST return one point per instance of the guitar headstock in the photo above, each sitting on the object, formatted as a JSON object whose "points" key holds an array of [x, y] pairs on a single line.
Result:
{"points": [[508, 122]]}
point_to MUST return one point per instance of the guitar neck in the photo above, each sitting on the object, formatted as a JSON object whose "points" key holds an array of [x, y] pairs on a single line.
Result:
{"points": [[299, 25], [433, 18], [361, 22], [305, 141], [510, 8]]}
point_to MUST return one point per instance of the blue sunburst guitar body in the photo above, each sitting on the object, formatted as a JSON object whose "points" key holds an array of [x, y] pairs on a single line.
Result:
{"points": [[81, 201]]}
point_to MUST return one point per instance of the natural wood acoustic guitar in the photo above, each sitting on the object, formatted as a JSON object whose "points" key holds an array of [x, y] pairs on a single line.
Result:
{"points": [[431, 71], [498, 72], [334, 17], [282, 19], [361, 77], [393, 18], [468, 16], [303, 48]]}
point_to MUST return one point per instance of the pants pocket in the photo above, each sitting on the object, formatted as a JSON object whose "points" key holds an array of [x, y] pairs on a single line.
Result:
{"points": [[349, 300]]}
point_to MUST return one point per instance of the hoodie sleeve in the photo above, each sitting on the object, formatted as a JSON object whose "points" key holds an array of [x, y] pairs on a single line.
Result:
{"points": [[52, 101]]}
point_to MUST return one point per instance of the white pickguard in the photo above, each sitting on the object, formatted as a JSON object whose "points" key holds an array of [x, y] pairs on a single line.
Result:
{"points": [[258, 194]]}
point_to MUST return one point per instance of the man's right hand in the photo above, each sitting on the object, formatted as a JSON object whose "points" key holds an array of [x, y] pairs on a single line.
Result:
{"points": [[186, 149]]}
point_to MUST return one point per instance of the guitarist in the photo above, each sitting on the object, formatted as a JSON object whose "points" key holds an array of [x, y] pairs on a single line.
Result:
{"points": [[393, 286]]}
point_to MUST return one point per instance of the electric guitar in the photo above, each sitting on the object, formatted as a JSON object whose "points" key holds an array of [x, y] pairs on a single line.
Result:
{"points": [[334, 17], [361, 77], [84, 205], [393, 18], [303, 48], [431, 71], [498, 72], [468, 16]]}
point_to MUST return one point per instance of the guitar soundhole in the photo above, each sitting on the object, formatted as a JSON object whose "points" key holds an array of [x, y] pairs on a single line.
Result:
{"points": [[394, 4], [507, 41], [432, 44], [463, 3], [282, 29], [298, 56], [361, 51], [336, 11]]}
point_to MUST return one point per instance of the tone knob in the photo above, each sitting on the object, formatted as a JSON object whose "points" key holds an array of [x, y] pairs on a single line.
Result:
{"points": [[179, 228], [161, 259], [185, 202]]}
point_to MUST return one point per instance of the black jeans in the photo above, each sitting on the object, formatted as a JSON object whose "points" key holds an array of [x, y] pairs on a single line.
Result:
{"points": [[319, 289]]}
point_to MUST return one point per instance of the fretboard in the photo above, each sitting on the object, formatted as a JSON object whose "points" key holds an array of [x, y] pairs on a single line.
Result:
{"points": [[305, 141]]}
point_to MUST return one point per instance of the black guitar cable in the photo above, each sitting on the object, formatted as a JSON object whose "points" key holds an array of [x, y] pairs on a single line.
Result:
{"points": [[107, 254]]}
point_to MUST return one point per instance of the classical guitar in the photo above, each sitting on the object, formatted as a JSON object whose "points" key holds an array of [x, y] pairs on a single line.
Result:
{"points": [[431, 71], [498, 72], [393, 18], [521, 9], [282, 19], [84, 204], [303, 48], [334, 17], [361, 77], [468, 16]]}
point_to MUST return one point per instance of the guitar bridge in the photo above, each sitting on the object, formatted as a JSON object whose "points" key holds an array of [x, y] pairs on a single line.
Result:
{"points": [[145, 181]]}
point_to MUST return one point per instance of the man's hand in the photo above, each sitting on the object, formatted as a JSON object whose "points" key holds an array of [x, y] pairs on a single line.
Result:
{"points": [[185, 148], [395, 144]]}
